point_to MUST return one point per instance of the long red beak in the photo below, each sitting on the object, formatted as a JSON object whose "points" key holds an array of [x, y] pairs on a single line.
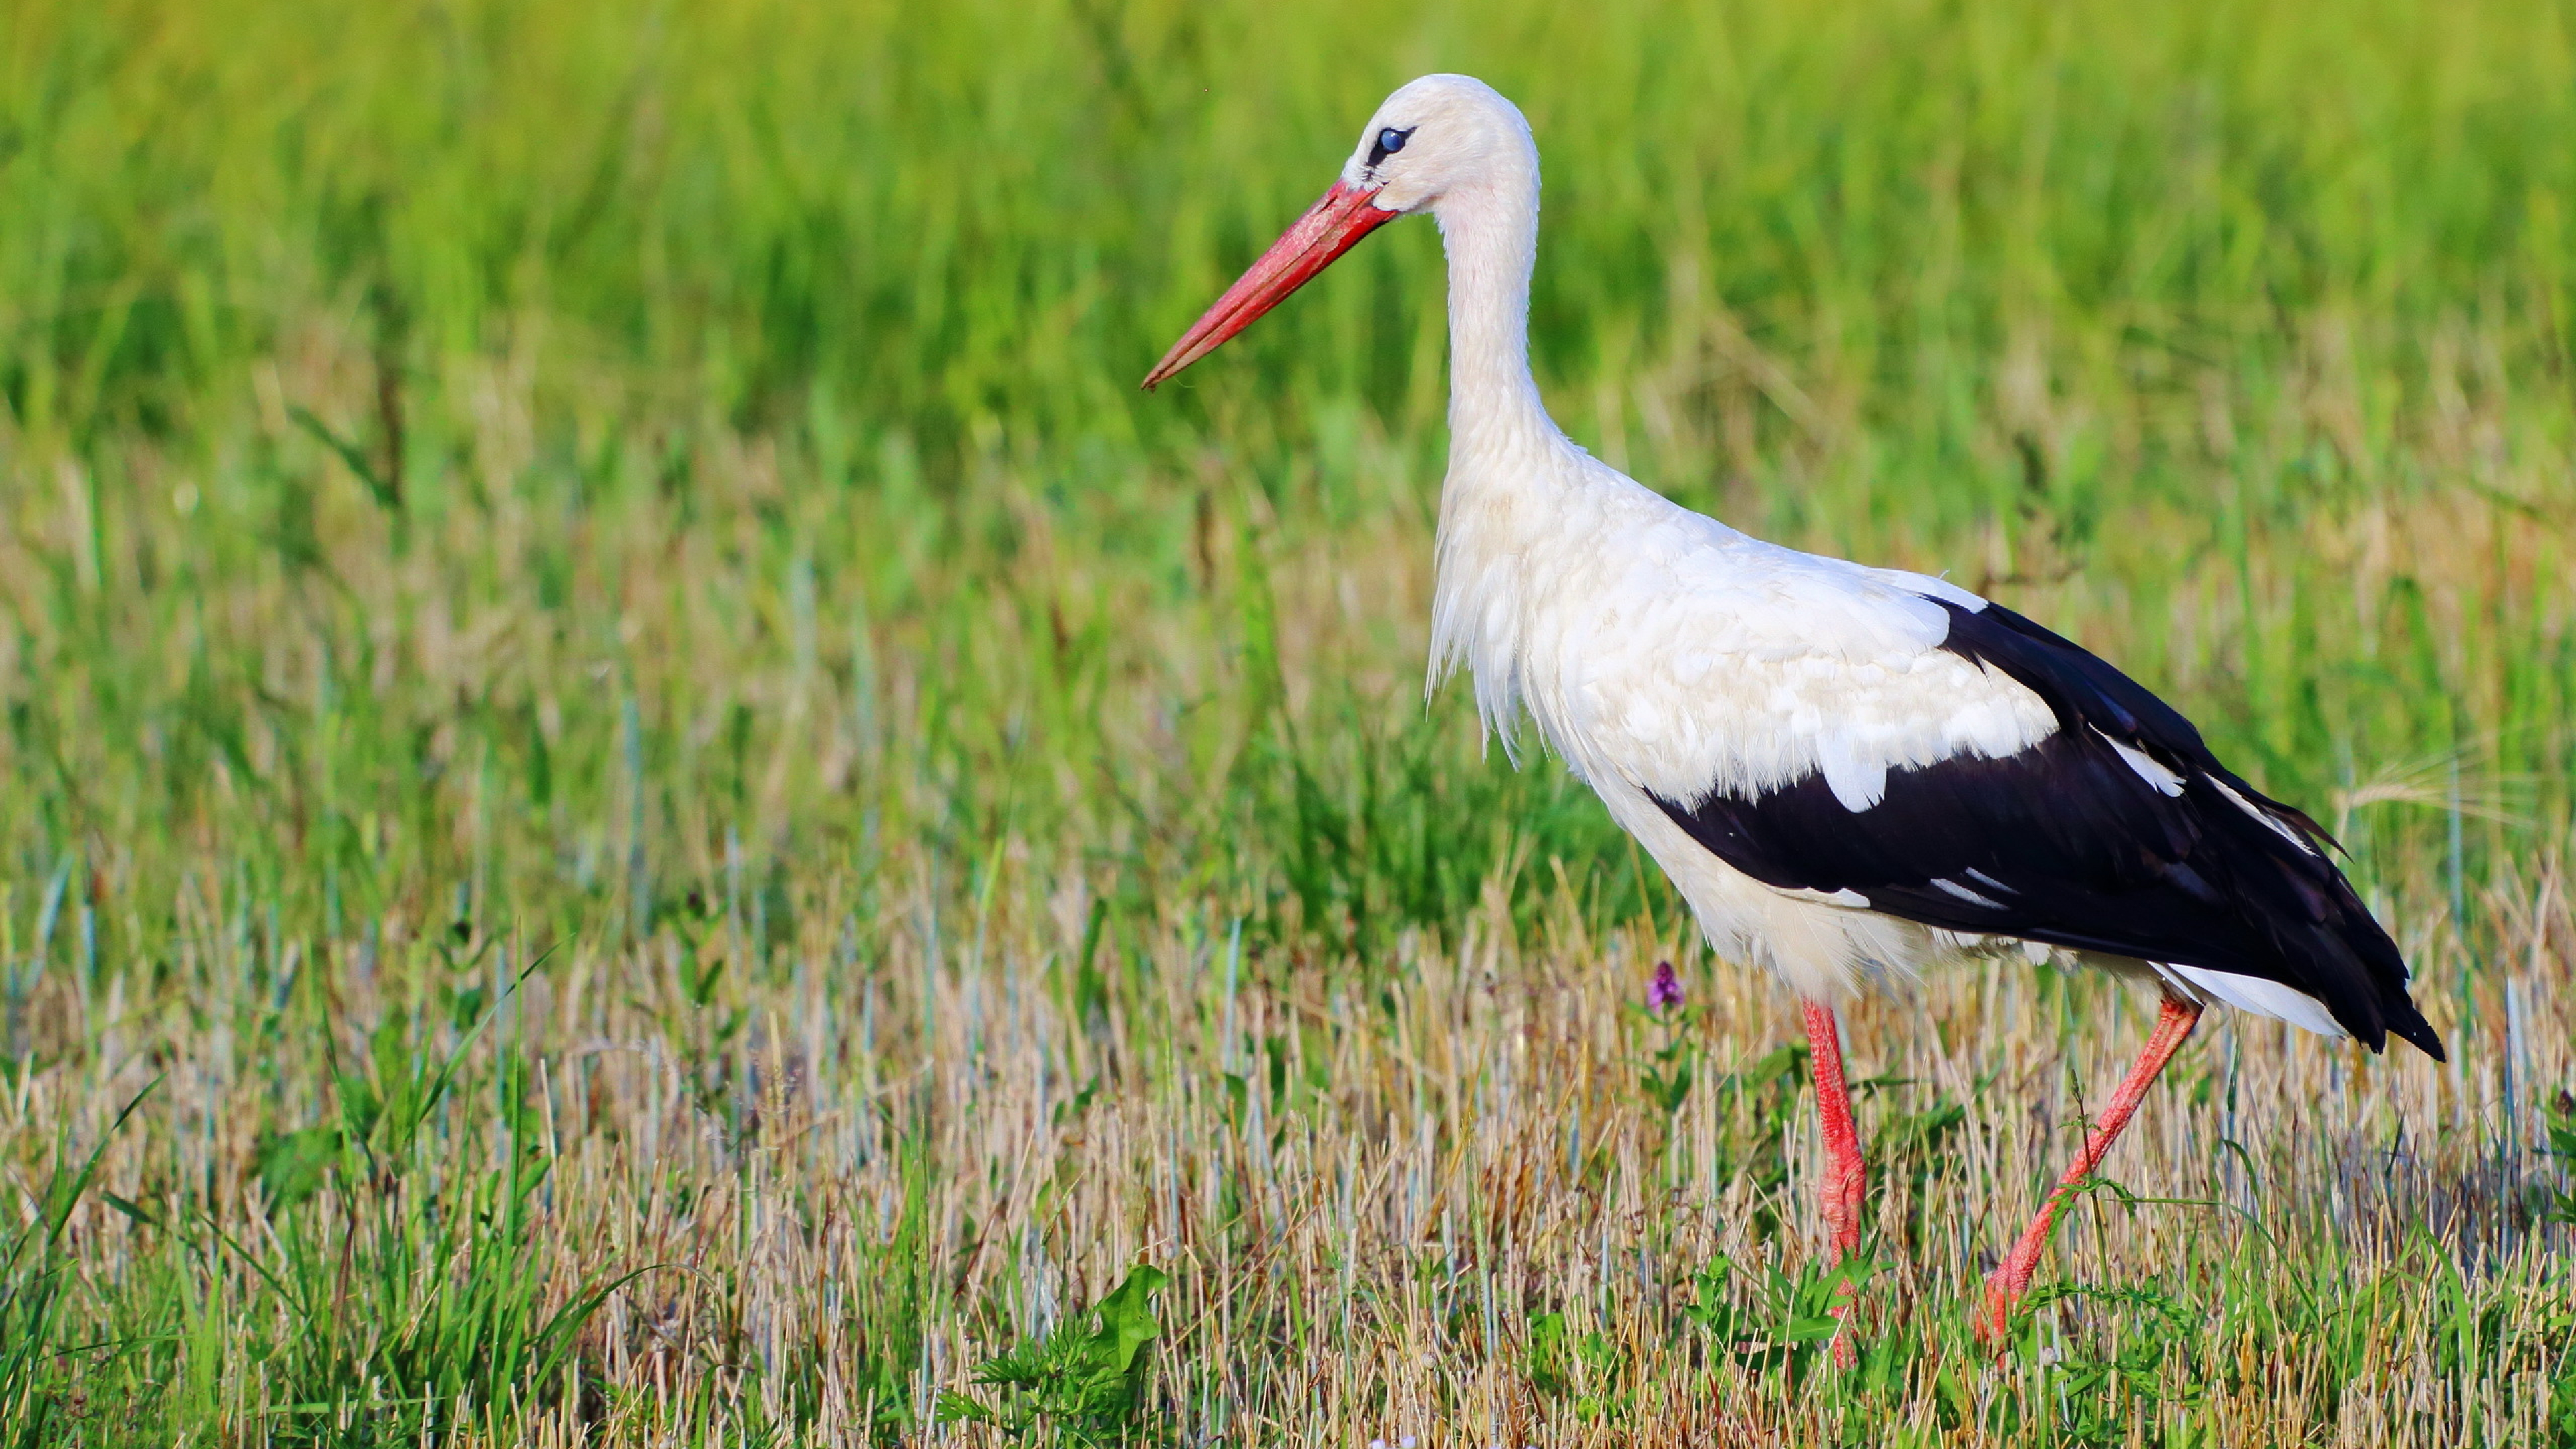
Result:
{"points": [[1329, 228]]}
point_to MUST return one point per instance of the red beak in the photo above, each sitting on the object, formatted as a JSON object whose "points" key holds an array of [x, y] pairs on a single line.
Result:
{"points": [[1329, 228]]}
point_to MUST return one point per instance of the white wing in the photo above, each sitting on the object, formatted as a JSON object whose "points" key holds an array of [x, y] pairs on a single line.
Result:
{"points": [[1688, 659]]}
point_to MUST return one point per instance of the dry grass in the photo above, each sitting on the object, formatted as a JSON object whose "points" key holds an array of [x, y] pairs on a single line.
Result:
{"points": [[2339, 1251]]}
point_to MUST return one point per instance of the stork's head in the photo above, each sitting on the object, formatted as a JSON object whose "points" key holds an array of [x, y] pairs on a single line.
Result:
{"points": [[1438, 139]]}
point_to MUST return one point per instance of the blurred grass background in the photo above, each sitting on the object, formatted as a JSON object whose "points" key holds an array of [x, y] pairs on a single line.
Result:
{"points": [[659, 492]]}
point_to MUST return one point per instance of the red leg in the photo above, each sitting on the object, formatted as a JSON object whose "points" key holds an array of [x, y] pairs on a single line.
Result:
{"points": [[1845, 1179], [2012, 1279]]}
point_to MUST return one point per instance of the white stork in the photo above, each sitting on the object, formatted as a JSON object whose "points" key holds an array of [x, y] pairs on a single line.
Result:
{"points": [[1851, 773]]}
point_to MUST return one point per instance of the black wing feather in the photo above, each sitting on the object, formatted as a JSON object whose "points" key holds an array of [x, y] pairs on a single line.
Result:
{"points": [[2065, 843]]}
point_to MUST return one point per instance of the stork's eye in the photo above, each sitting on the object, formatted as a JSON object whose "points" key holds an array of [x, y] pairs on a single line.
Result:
{"points": [[1389, 141]]}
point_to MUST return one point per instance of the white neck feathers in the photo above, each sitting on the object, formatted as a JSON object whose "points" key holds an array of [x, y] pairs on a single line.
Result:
{"points": [[1510, 467]]}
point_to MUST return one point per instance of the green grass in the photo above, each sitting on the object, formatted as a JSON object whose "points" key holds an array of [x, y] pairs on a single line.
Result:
{"points": [[705, 829]]}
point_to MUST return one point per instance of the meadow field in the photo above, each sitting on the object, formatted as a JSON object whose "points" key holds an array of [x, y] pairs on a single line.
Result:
{"points": [[642, 802]]}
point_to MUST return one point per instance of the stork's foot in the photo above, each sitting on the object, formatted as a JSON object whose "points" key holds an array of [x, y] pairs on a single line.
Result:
{"points": [[2011, 1279]]}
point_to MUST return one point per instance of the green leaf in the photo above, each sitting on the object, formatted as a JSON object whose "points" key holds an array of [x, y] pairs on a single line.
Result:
{"points": [[1810, 1330], [1547, 1354], [1710, 1307], [1127, 1316]]}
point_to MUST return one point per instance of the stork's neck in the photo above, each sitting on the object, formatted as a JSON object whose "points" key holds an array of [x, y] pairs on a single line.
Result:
{"points": [[1513, 477], [1491, 232]]}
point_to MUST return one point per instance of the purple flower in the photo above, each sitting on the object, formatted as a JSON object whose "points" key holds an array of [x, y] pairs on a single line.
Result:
{"points": [[1665, 992]]}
